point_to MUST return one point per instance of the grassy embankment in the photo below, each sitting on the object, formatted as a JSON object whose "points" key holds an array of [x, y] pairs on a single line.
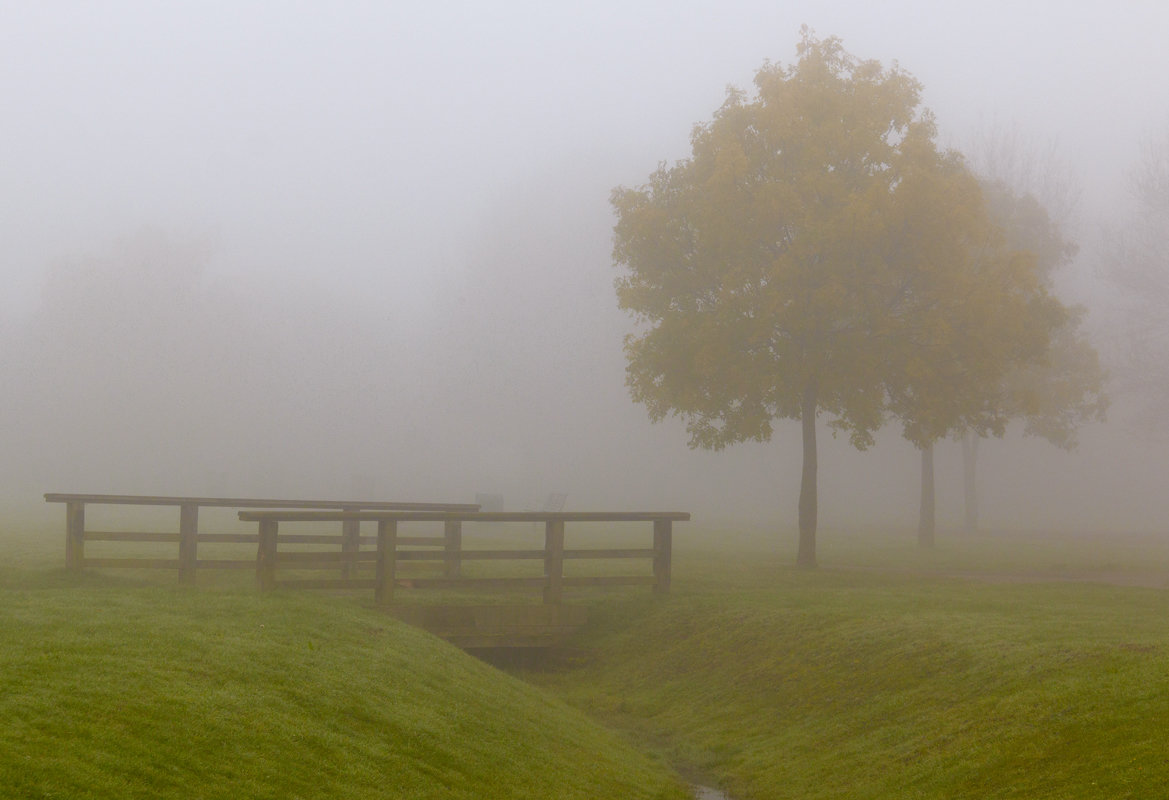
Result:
{"points": [[119, 687], [889, 678], [844, 683]]}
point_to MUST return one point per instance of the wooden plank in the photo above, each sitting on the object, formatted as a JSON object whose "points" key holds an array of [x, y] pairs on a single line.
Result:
{"points": [[188, 545], [502, 555], [520, 555], [133, 563], [251, 502], [130, 536], [384, 571], [421, 541], [530, 640], [325, 558], [644, 552], [419, 555], [469, 583], [310, 538], [242, 538], [225, 563], [471, 555], [494, 625], [341, 504], [326, 583], [483, 516], [553, 560], [611, 580], [663, 545]]}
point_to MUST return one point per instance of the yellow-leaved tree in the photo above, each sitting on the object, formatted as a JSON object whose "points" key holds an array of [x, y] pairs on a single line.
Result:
{"points": [[783, 270], [978, 315]]}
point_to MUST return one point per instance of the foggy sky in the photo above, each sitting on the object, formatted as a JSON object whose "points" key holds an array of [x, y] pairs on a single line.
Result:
{"points": [[384, 236]]}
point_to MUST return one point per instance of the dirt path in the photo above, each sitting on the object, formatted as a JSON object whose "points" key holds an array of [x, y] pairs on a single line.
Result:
{"points": [[1102, 577]]}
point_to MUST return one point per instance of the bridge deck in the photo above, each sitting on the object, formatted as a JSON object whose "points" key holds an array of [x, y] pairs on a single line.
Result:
{"points": [[495, 626]]}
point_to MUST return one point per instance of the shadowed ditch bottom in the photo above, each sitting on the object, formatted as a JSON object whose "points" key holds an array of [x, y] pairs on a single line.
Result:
{"points": [[541, 658]]}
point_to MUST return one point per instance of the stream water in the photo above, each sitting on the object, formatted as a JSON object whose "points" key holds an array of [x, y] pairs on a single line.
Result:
{"points": [[706, 793]]}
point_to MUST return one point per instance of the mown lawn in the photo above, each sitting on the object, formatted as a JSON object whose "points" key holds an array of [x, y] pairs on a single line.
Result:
{"points": [[132, 688], [851, 683]]}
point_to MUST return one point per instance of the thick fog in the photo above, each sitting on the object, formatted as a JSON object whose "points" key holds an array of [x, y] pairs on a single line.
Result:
{"points": [[363, 249]]}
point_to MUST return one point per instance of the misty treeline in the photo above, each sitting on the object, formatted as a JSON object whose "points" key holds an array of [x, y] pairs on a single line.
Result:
{"points": [[819, 254], [145, 368], [140, 373], [1135, 259]]}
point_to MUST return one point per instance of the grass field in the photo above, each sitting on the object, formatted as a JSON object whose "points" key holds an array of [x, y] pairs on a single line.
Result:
{"points": [[1020, 666]]}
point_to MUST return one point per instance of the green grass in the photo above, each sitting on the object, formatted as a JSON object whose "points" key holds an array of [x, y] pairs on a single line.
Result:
{"points": [[976, 670], [780, 683], [111, 687], [1034, 554]]}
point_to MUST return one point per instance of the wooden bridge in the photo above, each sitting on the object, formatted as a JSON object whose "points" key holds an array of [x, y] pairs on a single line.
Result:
{"points": [[391, 562], [474, 623]]}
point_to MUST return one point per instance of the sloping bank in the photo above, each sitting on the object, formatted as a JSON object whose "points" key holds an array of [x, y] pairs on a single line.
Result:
{"points": [[123, 691], [775, 683]]}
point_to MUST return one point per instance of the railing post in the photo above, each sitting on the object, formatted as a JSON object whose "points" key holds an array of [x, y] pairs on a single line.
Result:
{"points": [[266, 555], [453, 545], [350, 542], [553, 560], [188, 542], [663, 546], [74, 535], [387, 559]]}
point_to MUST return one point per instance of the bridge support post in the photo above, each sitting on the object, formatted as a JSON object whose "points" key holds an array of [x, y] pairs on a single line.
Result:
{"points": [[663, 547], [188, 542], [350, 542], [453, 545], [387, 557], [266, 556], [553, 560], [74, 535]]}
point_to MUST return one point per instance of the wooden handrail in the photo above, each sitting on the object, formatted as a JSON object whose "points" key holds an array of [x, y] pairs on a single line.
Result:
{"points": [[466, 516], [188, 534], [553, 554], [251, 502]]}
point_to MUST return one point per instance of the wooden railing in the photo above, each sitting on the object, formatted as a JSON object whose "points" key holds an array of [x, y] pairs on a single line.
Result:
{"points": [[188, 536], [388, 552]]}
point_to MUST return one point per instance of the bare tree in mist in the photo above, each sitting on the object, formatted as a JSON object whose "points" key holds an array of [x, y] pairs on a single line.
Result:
{"points": [[1033, 196], [1135, 260], [1003, 155], [526, 366]]}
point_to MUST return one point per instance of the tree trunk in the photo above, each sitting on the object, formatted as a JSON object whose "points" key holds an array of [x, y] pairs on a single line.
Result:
{"points": [[970, 483], [926, 518], [806, 557]]}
